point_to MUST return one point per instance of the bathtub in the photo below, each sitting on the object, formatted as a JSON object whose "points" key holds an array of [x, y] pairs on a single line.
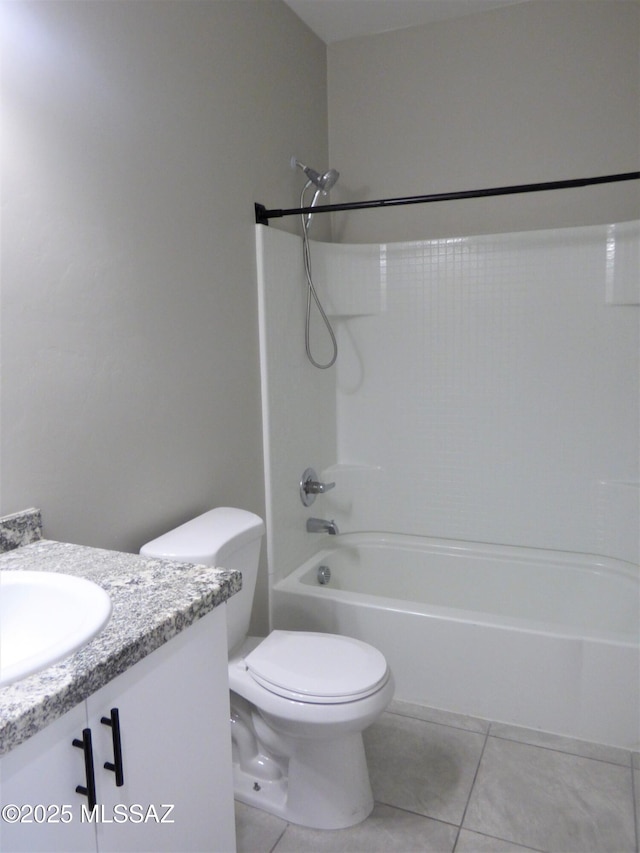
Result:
{"points": [[543, 639]]}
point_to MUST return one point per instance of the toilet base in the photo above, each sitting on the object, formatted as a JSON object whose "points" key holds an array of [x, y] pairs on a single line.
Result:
{"points": [[326, 786]]}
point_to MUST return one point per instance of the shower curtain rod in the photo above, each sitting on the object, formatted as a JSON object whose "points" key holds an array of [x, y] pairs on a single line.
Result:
{"points": [[263, 215]]}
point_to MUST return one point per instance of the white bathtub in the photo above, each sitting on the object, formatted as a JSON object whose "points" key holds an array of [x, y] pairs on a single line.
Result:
{"points": [[543, 639]]}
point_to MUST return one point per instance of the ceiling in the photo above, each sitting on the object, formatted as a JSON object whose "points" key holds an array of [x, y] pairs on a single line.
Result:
{"points": [[336, 20]]}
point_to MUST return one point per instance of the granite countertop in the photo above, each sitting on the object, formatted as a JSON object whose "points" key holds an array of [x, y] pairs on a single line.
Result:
{"points": [[152, 600]]}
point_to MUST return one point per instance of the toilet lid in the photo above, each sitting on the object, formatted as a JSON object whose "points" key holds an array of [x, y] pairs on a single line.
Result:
{"points": [[311, 667]]}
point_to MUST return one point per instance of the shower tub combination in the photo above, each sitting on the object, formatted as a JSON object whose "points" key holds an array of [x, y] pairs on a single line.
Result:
{"points": [[543, 639]]}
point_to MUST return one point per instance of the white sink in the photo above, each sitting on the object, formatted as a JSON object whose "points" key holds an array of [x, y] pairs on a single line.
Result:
{"points": [[45, 616]]}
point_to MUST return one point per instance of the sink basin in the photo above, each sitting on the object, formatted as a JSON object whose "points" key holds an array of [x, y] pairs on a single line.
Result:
{"points": [[45, 616]]}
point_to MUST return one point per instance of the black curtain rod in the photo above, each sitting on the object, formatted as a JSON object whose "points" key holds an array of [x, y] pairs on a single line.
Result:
{"points": [[263, 215]]}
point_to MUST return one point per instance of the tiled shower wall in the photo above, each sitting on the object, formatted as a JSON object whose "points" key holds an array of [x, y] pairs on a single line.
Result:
{"points": [[487, 389]]}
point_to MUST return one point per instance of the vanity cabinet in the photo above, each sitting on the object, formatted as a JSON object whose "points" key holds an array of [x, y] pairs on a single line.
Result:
{"points": [[176, 792], [44, 771]]}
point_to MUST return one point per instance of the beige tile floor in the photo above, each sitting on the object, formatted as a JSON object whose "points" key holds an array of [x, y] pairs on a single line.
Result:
{"points": [[446, 783]]}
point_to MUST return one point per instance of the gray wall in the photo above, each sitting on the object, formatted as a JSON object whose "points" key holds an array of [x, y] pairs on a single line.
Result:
{"points": [[137, 137], [539, 91]]}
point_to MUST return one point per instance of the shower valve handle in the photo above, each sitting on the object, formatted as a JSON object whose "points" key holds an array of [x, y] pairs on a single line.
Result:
{"points": [[313, 487], [310, 486]]}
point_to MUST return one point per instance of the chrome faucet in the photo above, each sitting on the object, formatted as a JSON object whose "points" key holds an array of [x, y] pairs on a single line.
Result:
{"points": [[321, 525]]}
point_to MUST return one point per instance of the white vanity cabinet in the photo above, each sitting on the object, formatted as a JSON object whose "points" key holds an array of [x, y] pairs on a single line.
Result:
{"points": [[176, 792], [43, 772]]}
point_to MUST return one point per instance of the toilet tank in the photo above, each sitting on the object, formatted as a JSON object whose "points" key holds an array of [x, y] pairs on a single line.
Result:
{"points": [[224, 538]]}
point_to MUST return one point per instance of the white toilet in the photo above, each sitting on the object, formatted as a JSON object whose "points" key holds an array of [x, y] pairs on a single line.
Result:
{"points": [[299, 701]]}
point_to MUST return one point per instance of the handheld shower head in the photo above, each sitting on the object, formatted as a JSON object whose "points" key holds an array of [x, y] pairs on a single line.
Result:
{"points": [[314, 177], [329, 179], [322, 182]]}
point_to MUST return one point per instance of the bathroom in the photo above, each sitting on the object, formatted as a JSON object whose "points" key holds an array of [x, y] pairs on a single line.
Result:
{"points": [[137, 138]]}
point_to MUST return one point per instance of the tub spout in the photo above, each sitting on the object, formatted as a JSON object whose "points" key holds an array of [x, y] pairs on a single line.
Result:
{"points": [[321, 525]]}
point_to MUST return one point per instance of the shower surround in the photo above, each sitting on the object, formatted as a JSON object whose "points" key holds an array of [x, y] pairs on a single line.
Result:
{"points": [[486, 390]]}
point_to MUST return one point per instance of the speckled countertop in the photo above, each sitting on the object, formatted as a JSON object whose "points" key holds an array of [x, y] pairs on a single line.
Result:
{"points": [[153, 600]]}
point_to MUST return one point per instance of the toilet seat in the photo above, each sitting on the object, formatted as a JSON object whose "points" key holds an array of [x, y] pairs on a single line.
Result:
{"points": [[317, 668]]}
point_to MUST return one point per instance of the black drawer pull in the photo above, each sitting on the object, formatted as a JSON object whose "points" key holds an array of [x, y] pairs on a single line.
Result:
{"points": [[115, 765], [89, 791]]}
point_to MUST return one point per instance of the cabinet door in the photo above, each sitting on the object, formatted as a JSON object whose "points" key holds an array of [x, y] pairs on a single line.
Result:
{"points": [[40, 776], [176, 748]]}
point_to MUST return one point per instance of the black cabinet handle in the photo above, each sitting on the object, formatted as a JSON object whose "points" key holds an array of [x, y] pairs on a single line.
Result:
{"points": [[89, 791], [115, 765]]}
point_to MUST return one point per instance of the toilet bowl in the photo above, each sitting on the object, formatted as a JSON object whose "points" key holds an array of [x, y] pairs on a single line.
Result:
{"points": [[307, 723], [299, 700]]}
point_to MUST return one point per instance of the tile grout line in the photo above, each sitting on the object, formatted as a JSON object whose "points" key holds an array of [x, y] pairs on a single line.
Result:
{"points": [[280, 837], [473, 784], [416, 814], [514, 739], [562, 751], [450, 725], [505, 840]]}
